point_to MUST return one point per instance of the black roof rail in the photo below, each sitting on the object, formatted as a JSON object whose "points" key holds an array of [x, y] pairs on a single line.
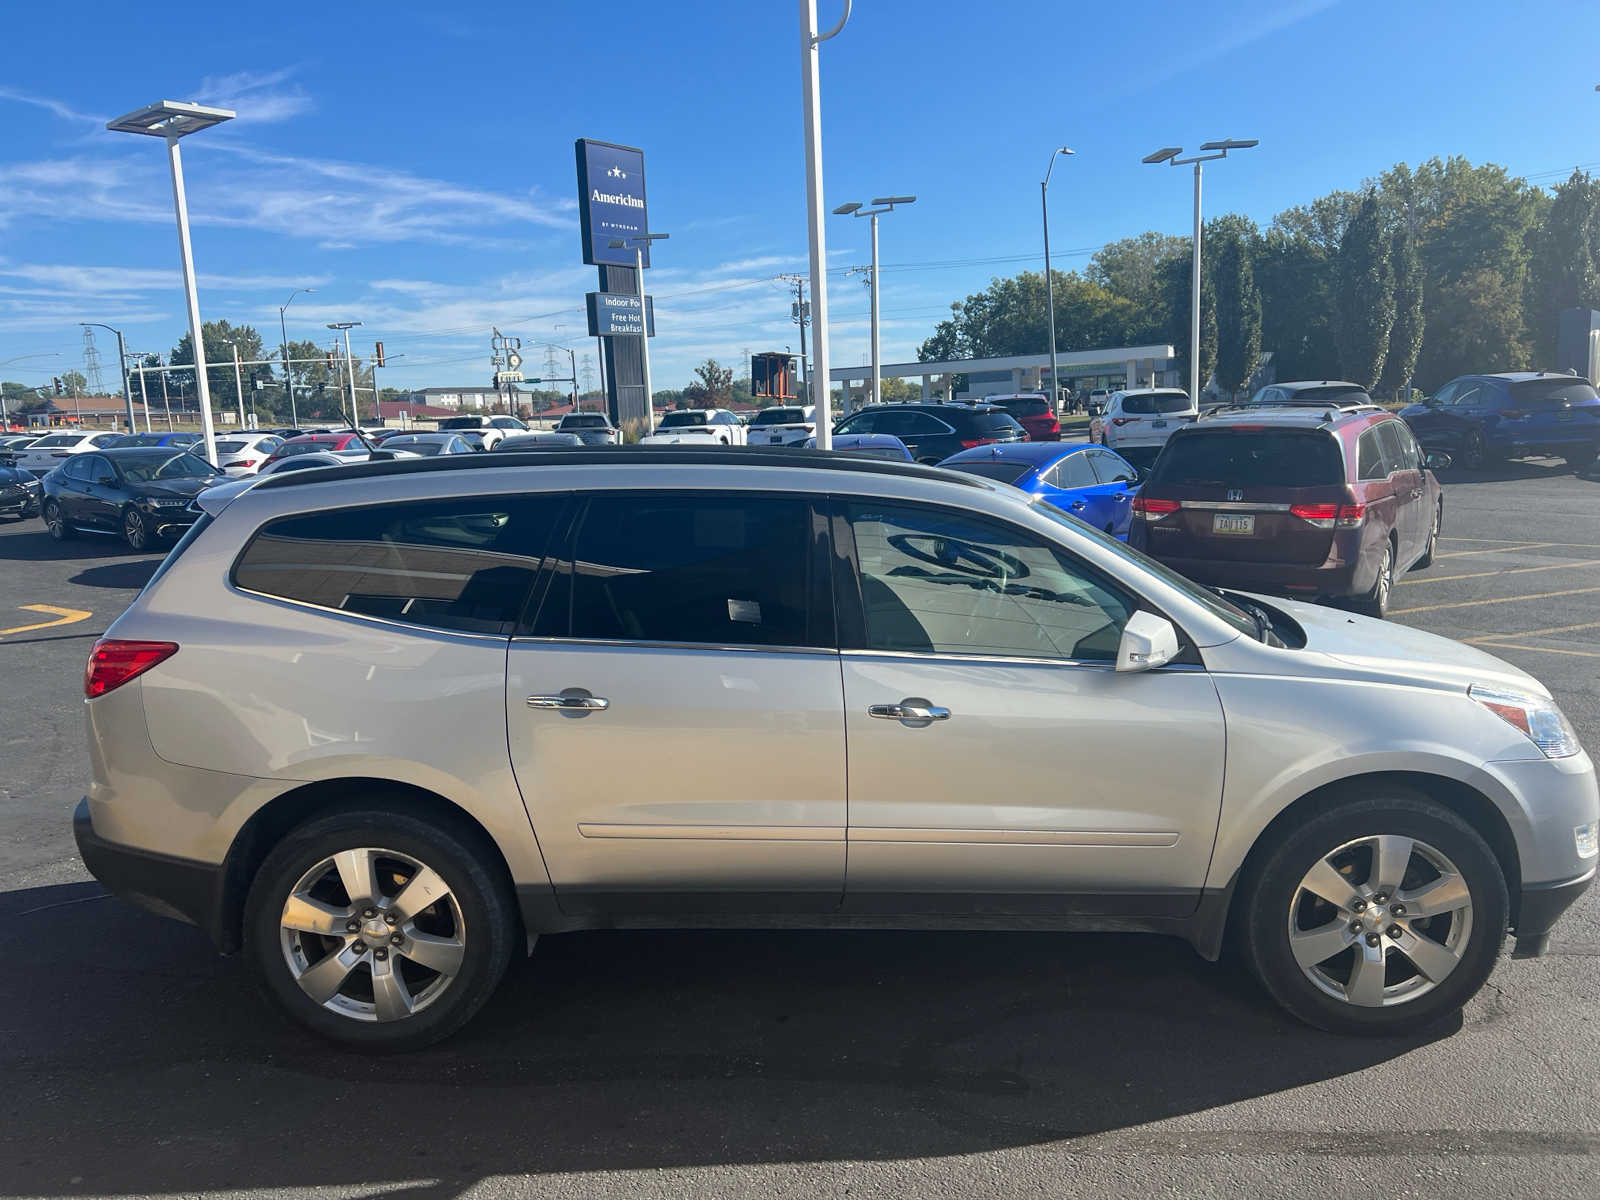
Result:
{"points": [[610, 456]]}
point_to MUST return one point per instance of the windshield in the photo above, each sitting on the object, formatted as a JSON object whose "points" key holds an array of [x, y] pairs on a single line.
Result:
{"points": [[1250, 459], [415, 446], [147, 468], [779, 416], [583, 421], [1155, 404], [59, 439], [1000, 472], [678, 420], [1204, 596]]}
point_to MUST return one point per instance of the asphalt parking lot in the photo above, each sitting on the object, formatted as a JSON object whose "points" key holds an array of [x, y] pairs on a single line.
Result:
{"points": [[136, 1061]]}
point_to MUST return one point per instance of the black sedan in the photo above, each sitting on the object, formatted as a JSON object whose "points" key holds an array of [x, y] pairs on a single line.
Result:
{"points": [[933, 432], [140, 494], [20, 494]]}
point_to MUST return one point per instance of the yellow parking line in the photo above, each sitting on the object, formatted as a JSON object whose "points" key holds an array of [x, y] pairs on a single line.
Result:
{"points": [[1593, 562], [1518, 542], [1497, 550], [1495, 600], [1536, 632], [64, 616], [1541, 649]]}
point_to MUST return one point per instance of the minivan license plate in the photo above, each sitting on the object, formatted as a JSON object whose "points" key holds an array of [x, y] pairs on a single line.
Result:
{"points": [[1158, 424], [1225, 523]]}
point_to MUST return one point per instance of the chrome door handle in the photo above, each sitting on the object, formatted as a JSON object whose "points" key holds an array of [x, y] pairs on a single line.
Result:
{"points": [[1077, 506], [908, 711], [570, 703]]}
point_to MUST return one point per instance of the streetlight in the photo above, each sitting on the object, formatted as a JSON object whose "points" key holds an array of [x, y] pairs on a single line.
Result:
{"points": [[288, 374], [811, 98], [881, 205], [174, 120], [639, 242], [5, 421], [238, 380], [144, 389], [1169, 155], [349, 368], [122, 361], [1049, 284]]}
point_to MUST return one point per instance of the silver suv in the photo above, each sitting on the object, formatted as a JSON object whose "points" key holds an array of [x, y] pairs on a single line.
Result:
{"points": [[382, 727]]}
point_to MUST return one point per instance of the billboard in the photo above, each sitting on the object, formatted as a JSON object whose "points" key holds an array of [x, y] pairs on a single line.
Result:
{"points": [[611, 201], [616, 314]]}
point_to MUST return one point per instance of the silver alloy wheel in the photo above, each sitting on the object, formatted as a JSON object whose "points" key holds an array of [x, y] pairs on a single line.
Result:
{"points": [[53, 518], [135, 530], [1390, 938], [373, 934], [1385, 577]]}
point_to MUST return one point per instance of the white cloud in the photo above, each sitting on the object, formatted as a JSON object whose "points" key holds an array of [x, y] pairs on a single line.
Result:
{"points": [[257, 96], [64, 111]]}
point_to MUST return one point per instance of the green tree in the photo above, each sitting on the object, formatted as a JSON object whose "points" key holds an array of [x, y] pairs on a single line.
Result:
{"points": [[73, 383], [1564, 267], [1364, 303], [1011, 316], [1177, 284], [219, 359], [1130, 268], [1231, 240], [1405, 338], [712, 386]]}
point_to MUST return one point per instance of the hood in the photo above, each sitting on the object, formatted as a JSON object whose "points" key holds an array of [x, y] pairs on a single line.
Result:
{"points": [[173, 489], [1397, 653]]}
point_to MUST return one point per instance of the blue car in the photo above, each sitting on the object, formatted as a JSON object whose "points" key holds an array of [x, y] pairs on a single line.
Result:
{"points": [[1092, 483], [1482, 419], [128, 440]]}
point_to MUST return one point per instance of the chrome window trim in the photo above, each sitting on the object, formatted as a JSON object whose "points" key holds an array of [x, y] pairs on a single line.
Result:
{"points": [[1234, 505], [955, 656], [409, 626], [631, 643]]}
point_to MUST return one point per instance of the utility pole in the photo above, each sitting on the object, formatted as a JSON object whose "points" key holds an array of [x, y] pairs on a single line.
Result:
{"points": [[811, 99], [238, 383], [1049, 284], [350, 367], [166, 402], [800, 314]]}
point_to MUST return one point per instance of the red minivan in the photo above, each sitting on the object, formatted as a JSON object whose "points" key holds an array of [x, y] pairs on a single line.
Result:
{"points": [[1318, 502]]}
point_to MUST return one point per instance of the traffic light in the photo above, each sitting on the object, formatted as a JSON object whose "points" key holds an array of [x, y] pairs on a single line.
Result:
{"points": [[379, 355], [57, 382], [331, 366]]}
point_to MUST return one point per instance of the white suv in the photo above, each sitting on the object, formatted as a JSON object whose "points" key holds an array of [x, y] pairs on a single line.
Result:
{"points": [[382, 726], [50, 451], [1142, 419]]}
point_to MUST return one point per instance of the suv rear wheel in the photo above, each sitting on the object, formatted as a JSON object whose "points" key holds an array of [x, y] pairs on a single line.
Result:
{"points": [[378, 929], [1382, 915], [1375, 603]]}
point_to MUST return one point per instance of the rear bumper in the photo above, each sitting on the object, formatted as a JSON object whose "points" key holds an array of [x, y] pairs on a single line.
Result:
{"points": [[169, 887], [1333, 578], [1541, 907]]}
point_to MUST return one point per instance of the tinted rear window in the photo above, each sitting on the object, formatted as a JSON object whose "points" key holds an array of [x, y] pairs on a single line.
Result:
{"points": [[994, 422], [1249, 458], [779, 416], [677, 420], [461, 423], [1000, 472], [463, 565], [583, 421], [292, 448], [1030, 407], [1154, 404], [1330, 395], [1551, 393]]}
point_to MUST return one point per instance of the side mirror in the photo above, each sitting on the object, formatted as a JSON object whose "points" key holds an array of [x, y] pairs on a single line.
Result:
{"points": [[1147, 641], [1437, 460], [107, 480]]}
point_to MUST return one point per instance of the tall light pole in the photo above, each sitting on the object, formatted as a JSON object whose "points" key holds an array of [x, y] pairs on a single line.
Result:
{"points": [[173, 120], [1169, 155], [349, 368], [639, 242], [288, 375], [811, 98], [144, 390], [5, 421], [238, 382], [122, 360], [880, 206], [1049, 284]]}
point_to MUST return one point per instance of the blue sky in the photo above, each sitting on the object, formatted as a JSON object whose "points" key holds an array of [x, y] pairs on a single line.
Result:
{"points": [[413, 162]]}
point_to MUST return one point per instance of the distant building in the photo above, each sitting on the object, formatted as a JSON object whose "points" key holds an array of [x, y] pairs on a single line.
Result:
{"points": [[453, 397]]}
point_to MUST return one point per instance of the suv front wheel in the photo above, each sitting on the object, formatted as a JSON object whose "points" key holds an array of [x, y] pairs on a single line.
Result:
{"points": [[1382, 915], [379, 929]]}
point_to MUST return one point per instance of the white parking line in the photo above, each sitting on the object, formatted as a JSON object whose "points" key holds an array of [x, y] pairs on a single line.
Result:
{"points": [[1494, 600], [1496, 550], [1593, 562]]}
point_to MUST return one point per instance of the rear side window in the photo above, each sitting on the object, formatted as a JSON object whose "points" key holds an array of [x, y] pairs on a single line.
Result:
{"points": [[1396, 454], [994, 422], [1249, 458], [1073, 471], [1146, 405], [1031, 407], [1369, 457], [719, 570], [1000, 472], [459, 565]]}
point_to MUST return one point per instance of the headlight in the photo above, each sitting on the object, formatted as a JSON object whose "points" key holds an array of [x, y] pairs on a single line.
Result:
{"points": [[1543, 723]]}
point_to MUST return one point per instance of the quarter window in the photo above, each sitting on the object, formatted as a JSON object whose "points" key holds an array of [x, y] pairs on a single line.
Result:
{"points": [[1074, 471], [941, 582], [459, 565], [1369, 457], [719, 570]]}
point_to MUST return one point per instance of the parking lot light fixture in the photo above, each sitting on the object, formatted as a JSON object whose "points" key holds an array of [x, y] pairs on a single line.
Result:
{"points": [[880, 206], [174, 120], [1049, 284], [1168, 156], [349, 368], [288, 375], [639, 242]]}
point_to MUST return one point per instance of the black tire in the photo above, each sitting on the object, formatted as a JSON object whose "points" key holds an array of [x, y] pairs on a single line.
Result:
{"points": [[1582, 459], [1474, 455], [461, 859], [1375, 603], [136, 530], [60, 528], [1426, 559], [1272, 886]]}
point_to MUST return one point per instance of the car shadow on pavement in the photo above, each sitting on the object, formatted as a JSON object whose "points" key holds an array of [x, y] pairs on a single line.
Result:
{"points": [[131, 573], [36, 544], [140, 1062], [1510, 470]]}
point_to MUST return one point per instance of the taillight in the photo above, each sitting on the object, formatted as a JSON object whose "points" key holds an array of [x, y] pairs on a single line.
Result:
{"points": [[1326, 516], [113, 662], [243, 462], [974, 443], [1153, 510], [1119, 422], [808, 428]]}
